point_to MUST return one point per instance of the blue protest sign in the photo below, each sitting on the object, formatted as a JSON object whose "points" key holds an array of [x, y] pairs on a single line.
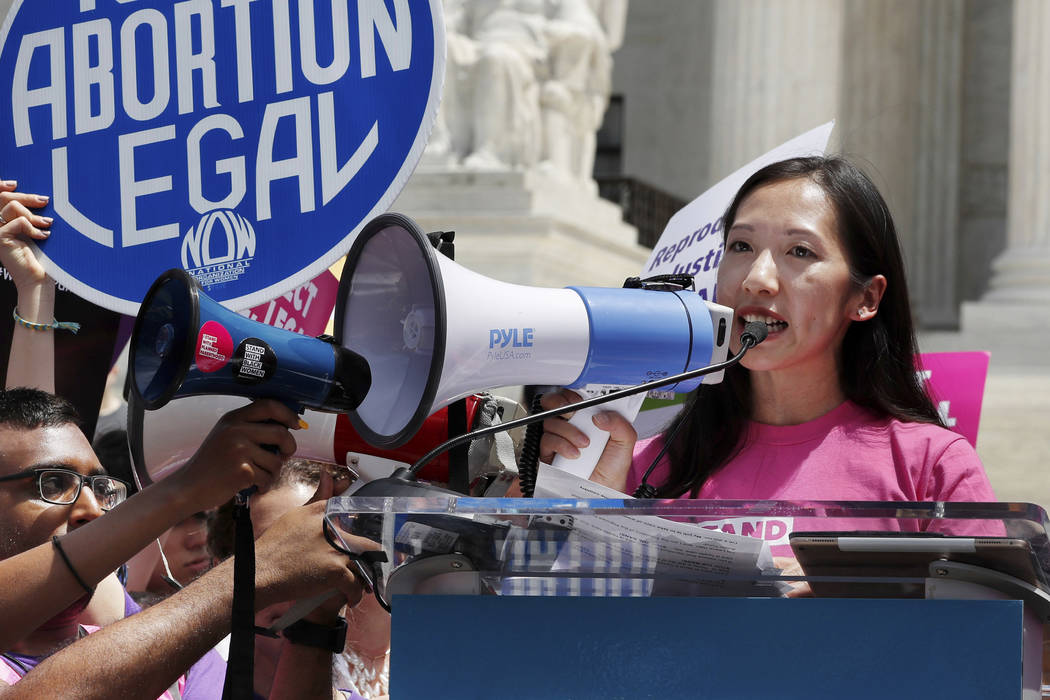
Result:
{"points": [[245, 141]]}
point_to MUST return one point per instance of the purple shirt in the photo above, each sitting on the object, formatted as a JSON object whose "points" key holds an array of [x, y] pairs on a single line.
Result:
{"points": [[205, 678]]}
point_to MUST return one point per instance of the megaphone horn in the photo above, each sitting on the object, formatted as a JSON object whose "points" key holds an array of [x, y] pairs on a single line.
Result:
{"points": [[184, 343], [433, 331], [163, 440]]}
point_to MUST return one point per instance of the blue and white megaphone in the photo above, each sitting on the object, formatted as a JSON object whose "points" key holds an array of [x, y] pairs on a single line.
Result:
{"points": [[186, 344], [432, 331]]}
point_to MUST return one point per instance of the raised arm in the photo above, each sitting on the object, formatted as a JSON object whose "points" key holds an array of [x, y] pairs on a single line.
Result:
{"points": [[32, 358], [142, 655], [37, 584]]}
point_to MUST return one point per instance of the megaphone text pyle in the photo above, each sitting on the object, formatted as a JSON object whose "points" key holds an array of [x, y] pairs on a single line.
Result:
{"points": [[415, 332], [433, 331]]}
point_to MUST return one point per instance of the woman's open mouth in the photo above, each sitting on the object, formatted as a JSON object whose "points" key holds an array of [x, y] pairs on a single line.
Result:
{"points": [[773, 325]]}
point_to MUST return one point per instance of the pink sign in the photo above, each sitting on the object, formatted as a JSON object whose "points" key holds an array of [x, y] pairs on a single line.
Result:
{"points": [[955, 381], [306, 309]]}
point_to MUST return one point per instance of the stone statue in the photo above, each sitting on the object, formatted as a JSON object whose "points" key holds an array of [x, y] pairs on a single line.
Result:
{"points": [[511, 64], [582, 36], [527, 83], [451, 137]]}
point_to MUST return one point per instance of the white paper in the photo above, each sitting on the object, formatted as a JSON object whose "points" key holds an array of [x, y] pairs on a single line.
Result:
{"points": [[688, 559]]}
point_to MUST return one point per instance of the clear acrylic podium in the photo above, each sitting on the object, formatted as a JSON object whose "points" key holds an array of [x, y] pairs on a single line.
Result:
{"points": [[570, 598]]}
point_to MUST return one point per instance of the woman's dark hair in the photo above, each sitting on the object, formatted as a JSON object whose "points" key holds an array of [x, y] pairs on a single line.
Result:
{"points": [[877, 359]]}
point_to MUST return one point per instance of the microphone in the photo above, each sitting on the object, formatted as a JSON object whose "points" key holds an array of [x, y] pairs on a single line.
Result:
{"points": [[754, 333], [402, 482]]}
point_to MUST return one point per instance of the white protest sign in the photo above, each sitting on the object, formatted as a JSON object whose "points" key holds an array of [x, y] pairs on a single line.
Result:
{"points": [[692, 244], [692, 240]]}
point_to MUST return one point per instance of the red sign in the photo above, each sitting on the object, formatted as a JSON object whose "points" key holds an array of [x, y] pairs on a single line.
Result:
{"points": [[306, 309]]}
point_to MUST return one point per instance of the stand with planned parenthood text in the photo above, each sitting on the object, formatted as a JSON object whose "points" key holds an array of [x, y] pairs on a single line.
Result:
{"points": [[523, 598]]}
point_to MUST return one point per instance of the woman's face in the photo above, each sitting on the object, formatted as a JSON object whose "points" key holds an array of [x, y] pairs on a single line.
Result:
{"points": [[784, 264]]}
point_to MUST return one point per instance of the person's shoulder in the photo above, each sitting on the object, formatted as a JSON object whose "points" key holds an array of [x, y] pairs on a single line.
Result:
{"points": [[929, 442], [932, 438], [899, 429], [205, 678], [926, 431], [944, 454]]}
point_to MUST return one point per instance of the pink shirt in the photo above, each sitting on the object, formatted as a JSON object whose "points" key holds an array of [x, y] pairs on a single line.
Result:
{"points": [[846, 454]]}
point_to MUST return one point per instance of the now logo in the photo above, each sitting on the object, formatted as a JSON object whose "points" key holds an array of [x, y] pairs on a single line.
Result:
{"points": [[514, 337], [234, 231]]}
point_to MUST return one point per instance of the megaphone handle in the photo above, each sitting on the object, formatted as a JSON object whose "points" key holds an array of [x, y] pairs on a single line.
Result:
{"points": [[583, 465], [296, 408]]}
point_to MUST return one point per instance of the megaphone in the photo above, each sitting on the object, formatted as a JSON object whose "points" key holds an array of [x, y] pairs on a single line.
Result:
{"points": [[163, 440], [432, 331], [184, 344]]}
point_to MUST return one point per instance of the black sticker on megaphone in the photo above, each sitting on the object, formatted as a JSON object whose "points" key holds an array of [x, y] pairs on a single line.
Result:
{"points": [[253, 362]]}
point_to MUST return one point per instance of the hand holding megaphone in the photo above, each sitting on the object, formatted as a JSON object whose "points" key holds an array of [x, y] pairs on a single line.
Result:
{"points": [[609, 432], [237, 454]]}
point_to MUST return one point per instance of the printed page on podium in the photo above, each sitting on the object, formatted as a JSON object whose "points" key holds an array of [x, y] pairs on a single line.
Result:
{"points": [[679, 558]]}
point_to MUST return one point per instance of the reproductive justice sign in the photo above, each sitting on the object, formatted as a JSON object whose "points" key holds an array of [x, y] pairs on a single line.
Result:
{"points": [[245, 141], [691, 243]]}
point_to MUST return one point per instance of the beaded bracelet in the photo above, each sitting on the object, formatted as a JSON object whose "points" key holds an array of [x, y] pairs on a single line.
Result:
{"points": [[54, 325]]}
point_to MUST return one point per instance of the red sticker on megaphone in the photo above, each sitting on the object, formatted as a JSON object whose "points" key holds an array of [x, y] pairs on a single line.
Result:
{"points": [[214, 347]]}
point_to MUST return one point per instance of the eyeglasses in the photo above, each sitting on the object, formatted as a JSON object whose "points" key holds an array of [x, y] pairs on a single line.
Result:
{"points": [[61, 487]]}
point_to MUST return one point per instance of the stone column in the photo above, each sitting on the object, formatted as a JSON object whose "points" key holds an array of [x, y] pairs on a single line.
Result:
{"points": [[1021, 274], [775, 74], [900, 120], [935, 244]]}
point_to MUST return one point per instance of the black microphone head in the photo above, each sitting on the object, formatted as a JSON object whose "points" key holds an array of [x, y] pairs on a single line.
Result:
{"points": [[756, 331]]}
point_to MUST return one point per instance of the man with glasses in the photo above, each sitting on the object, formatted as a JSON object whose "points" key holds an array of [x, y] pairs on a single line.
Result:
{"points": [[61, 487], [53, 490]]}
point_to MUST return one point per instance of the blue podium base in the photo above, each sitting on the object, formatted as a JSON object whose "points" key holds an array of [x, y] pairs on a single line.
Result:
{"points": [[508, 648]]}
